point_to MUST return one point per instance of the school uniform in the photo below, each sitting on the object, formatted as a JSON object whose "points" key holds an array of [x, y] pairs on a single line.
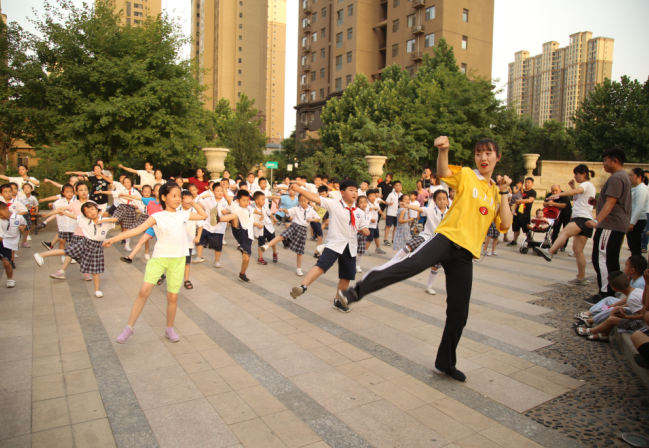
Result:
{"points": [[126, 209], [342, 241], [392, 209], [373, 226], [360, 238], [10, 234], [65, 224], [88, 251], [244, 233], [75, 208], [29, 203], [267, 233], [15, 206], [295, 235], [212, 236]]}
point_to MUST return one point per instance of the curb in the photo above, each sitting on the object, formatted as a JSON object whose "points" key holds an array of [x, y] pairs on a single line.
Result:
{"points": [[624, 341]]}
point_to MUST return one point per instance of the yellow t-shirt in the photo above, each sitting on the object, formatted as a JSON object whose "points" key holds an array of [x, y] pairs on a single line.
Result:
{"points": [[474, 208]]}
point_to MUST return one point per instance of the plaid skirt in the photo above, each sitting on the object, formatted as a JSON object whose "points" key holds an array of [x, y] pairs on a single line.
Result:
{"points": [[74, 239], [127, 216], [67, 236], [401, 236], [493, 231], [295, 238], [415, 242], [362, 239], [89, 254]]}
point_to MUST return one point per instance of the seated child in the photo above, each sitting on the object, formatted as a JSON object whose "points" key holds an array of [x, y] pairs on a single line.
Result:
{"points": [[539, 223]]}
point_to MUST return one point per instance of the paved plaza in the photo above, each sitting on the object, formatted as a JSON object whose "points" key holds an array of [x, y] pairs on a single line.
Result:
{"points": [[255, 368]]}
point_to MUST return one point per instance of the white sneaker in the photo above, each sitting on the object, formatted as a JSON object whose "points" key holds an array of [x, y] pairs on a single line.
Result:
{"points": [[11, 283], [359, 270], [217, 264], [62, 259], [225, 243], [320, 248], [571, 254], [99, 294], [147, 256], [488, 254], [29, 237], [494, 254], [431, 291], [39, 259], [198, 260], [298, 272], [127, 248]]}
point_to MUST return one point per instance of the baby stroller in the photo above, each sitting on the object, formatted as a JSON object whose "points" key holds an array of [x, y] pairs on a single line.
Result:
{"points": [[551, 214]]}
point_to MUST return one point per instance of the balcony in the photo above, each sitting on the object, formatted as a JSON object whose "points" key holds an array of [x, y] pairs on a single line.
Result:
{"points": [[306, 48], [307, 9], [306, 86], [306, 68], [307, 28], [383, 22], [418, 29], [418, 3], [416, 56]]}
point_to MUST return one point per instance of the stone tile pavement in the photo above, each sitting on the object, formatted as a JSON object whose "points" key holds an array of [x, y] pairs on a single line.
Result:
{"points": [[255, 368]]}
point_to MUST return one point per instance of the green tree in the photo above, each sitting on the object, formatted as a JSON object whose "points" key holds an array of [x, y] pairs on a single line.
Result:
{"points": [[614, 114], [109, 91]]}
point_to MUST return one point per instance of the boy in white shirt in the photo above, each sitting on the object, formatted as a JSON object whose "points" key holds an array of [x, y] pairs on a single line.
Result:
{"points": [[213, 230], [194, 230], [364, 187], [65, 224], [373, 211], [242, 227], [345, 221], [334, 192], [11, 225], [6, 196], [264, 224], [392, 202]]}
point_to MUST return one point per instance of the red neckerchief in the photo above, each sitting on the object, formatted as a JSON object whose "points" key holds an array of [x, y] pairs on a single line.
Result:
{"points": [[351, 215]]}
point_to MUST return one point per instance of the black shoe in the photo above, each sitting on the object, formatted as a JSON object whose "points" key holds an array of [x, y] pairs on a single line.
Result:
{"points": [[452, 373], [41, 226], [348, 297], [243, 278], [126, 260], [594, 300], [641, 361], [314, 238], [123, 242], [338, 305], [47, 245], [513, 243]]}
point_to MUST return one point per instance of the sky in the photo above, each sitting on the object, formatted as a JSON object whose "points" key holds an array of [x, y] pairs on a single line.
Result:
{"points": [[518, 25]]}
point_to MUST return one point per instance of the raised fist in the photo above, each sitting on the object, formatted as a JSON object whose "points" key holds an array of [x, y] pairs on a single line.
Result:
{"points": [[442, 143]]}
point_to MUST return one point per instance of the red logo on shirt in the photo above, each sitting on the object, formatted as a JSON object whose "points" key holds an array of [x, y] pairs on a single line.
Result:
{"points": [[484, 210]]}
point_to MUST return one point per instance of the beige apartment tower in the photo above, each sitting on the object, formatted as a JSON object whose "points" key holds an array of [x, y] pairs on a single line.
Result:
{"points": [[241, 44], [550, 86], [341, 38], [134, 12]]}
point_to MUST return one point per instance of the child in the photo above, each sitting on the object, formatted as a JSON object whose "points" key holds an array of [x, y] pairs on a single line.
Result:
{"points": [[414, 214], [126, 200], [392, 201], [335, 191], [10, 226], [457, 241], [323, 214], [66, 226], [7, 196], [213, 233], [492, 234], [361, 203], [264, 220], [295, 236], [372, 212], [88, 251], [434, 213], [153, 206], [242, 228], [540, 223], [364, 187], [342, 243], [169, 255], [29, 201], [194, 230], [402, 235]]}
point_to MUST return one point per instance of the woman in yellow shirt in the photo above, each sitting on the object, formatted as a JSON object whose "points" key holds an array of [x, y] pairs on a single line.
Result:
{"points": [[457, 241]]}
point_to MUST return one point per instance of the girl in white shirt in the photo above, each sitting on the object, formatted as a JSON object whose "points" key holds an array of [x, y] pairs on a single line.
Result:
{"points": [[295, 235], [25, 198], [87, 251], [169, 255], [582, 212]]}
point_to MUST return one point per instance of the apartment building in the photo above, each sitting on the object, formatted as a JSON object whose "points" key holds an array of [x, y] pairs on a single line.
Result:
{"points": [[135, 11], [241, 44], [550, 85], [341, 38]]}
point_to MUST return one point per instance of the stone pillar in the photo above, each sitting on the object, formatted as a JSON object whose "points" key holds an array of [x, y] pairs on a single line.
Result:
{"points": [[215, 161], [375, 168], [530, 163]]}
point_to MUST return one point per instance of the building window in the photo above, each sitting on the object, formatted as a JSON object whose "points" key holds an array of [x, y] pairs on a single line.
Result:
{"points": [[322, 73], [464, 42], [313, 76], [240, 37], [314, 37], [430, 13], [339, 40], [411, 20], [463, 68], [322, 53], [429, 40], [303, 60], [239, 94], [395, 26], [339, 63], [324, 12], [350, 10], [395, 50], [305, 41], [241, 15], [339, 17], [323, 33], [239, 60], [410, 46], [240, 49], [349, 57], [348, 80], [312, 96], [305, 22], [396, 3], [411, 70], [350, 33], [313, 56], [138, 14], [138, 6], [303, 79], [239, 71], [302, 97], [339, 84], [321, 94], [240, 26], [465, 15], [239, 82], [314, 17]]}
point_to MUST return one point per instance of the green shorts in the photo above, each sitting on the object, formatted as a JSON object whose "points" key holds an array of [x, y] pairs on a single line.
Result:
{"points": [[173, 267]]}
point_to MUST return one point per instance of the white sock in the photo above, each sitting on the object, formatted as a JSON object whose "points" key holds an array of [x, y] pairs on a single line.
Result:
{"points": [[401, 254], [431, 278], [359, 258], [128, 241]]}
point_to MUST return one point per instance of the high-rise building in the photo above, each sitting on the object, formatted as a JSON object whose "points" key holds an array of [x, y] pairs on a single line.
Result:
{"points": [[550, 86], [341, 38], [135, 11], [241, 44]]}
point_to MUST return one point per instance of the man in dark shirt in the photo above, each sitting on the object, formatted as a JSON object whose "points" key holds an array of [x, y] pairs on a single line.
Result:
{"points": [[523, 210], [612, 221], [565, 208], [99, 183], [385, 188], [426, 179]]}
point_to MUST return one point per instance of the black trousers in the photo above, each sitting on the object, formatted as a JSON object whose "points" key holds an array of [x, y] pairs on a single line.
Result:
{"points": [[458, 267], [557, 229], [634, 237], [606, 256]]}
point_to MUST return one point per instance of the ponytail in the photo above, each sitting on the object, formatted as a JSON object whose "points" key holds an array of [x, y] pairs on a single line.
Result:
{"points": [[583, 169]]}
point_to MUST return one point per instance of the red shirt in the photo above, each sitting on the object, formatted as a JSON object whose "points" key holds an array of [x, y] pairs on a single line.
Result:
{"points": [[202, 185]]}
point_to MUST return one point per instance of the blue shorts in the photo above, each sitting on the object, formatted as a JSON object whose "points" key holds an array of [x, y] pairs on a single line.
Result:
{"points": [[241, 235], [391, 221], [374, 234], [150, 232], [346, 263], [211, 240], [266, 237], [317, 228]]}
